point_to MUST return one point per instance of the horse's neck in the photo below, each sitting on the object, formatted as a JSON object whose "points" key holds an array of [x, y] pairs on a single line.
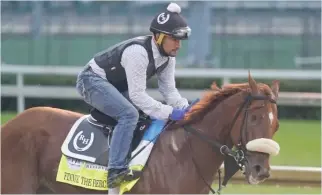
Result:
{"points": [[208, 157], [215, 125], [195, 158]]}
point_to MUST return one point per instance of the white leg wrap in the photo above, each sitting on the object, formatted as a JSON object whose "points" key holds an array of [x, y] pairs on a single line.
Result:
{"points": [[264, 145]]}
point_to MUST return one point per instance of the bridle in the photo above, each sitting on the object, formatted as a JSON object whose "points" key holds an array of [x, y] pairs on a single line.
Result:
{"points": [[234, 159]]}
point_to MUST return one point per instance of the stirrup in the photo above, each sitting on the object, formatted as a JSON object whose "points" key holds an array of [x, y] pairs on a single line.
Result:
{"points": [[116, 179], [132, 175], [124, 176]]}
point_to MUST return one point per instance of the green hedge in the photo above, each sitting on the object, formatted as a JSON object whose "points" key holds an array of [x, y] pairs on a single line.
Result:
{"points": [[233, 51]]}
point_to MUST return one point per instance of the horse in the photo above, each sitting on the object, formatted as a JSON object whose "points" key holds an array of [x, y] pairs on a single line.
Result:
{"points": [[237, 120]]}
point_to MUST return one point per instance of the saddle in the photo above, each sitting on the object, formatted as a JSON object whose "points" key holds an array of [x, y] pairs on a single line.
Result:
{"points": [[108, 124], [90, 137]]}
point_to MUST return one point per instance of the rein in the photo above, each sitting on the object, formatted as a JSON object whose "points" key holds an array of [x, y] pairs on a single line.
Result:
{"points": [[233, 158]]}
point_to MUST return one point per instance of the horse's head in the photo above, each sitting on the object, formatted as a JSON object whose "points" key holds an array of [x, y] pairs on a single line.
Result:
{"points": [[243, 116], [254, 127]]}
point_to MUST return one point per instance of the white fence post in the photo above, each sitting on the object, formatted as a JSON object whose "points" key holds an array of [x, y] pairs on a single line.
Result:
{"points": [[225, 80], [20, 98]]}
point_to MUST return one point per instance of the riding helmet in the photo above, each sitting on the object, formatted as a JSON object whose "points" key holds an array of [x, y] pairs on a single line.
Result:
{"points": [[170, 22]]}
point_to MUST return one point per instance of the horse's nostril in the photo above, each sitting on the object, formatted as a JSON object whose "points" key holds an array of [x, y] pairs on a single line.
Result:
{"points": [[261, 172], [257, 168]]}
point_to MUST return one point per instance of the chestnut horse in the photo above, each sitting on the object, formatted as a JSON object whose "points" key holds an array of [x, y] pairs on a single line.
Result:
{"points": [[237, 120]]}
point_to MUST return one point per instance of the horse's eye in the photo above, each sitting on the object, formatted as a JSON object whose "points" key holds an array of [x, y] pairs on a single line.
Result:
{"points": [[254, 117]]}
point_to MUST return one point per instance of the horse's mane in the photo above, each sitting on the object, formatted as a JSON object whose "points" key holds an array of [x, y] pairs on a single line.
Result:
{"points": [[215, 95]]}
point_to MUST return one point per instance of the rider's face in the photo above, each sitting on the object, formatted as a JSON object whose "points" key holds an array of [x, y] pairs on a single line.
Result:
{"points": [[171, 46]]}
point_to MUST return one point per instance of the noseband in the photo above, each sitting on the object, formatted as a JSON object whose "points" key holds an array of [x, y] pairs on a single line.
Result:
{"points": [[234, 159]]}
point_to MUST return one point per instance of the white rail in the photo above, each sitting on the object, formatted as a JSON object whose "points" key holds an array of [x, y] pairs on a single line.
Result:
{"points": [[21, 91], [291, 174]]}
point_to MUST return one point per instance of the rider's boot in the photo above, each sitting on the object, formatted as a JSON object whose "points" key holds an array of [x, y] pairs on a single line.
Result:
{"points": [[117, 176]]}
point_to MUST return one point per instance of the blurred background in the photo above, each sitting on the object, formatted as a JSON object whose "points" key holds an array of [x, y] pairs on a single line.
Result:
{"points": [[226, 34], [45, 43]]}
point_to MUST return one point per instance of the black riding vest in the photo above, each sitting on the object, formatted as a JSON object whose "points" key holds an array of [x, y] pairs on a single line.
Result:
{"points": [[110, 61]]}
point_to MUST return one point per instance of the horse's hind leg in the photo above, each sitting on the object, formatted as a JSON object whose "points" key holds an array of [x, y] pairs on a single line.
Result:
{"points": [[19, 168], [18, 179], [44, 190]]}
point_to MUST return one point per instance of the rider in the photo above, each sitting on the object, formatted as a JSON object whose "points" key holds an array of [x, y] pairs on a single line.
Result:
{"points": [[114, 82]]}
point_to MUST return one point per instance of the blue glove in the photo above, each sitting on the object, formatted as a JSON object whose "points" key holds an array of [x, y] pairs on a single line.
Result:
{"points": [[178, 114]]}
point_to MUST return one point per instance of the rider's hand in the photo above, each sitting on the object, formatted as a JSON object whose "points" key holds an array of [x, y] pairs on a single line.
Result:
{"points": [[178, 114]]}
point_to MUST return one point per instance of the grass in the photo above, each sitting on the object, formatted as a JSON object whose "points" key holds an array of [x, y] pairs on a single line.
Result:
{"points": [[300, 143], [267, 189], [6, 116]]}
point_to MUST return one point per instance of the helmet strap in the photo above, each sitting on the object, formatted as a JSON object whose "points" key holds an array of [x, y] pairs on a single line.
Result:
{"points": [[160, 44], [160, 39]]}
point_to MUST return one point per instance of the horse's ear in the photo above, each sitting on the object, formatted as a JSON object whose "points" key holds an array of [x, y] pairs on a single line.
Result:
{"points": [[275, 88], [252, 84], [214, 86]]}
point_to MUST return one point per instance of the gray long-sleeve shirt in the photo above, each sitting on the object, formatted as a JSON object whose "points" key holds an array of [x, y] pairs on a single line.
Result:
{"points": [[135, 62]]}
